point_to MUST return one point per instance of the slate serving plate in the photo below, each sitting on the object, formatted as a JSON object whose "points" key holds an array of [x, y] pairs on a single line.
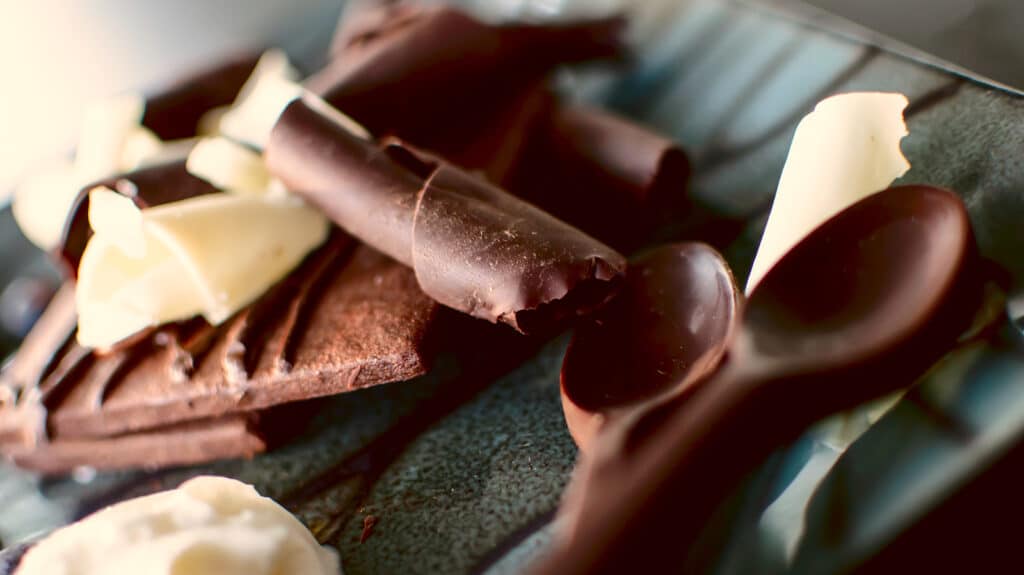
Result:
{"points": [[471, 484]]}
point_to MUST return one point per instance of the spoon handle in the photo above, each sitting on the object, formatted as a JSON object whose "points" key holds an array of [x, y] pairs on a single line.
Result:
{"points": [[675, 461]]}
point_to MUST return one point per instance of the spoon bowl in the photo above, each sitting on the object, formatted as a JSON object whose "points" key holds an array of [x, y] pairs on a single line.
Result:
{"points": [[667, 328], [863, 282]]}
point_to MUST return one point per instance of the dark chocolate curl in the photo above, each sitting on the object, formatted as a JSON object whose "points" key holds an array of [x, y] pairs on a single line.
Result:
{"points": [[431, 75], [473, 247], [632, 158], [603, 173], [354, 181], [175, 112], [479, 99], [147, 187]]}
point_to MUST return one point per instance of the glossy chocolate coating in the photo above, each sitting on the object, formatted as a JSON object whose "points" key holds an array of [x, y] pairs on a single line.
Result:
{"points": [[432, 74], [473, 247], [147, 187], [481, 100], [668, 327], [603, 173], [861, 307]]}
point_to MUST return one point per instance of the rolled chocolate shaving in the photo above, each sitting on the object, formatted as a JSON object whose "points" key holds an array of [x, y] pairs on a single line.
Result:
{"points": [[603, 173], [513, 262], [175, 111], [503, 141], [432, 74], [474, 247], [480, 101], [147, 187]]}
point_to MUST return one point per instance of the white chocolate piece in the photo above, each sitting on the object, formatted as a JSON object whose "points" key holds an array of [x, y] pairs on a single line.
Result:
{"points": [[106, 128], [112, 142], [209, 255], [845, 150], [41, 203], [228, 166], [266, 94], [207, 526], [272, 64], [209, 123], [263, 98], [117, 219], [140, 146]]}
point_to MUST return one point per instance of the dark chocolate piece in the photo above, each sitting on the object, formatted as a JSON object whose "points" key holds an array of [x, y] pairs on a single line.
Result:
{"points": [[607, 175], [432, 74], [346, 319], [499, 144], [175, 111], [667, 328], [480, 100], [187, 443], [184, 444], [147, 187], [863, 306], [473, 247]]}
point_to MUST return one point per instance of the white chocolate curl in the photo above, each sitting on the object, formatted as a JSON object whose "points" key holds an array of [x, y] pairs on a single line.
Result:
{"points": [[209, 255], [262, 100], [845, 150], [208, 526], [228, 166], [112, 141]]}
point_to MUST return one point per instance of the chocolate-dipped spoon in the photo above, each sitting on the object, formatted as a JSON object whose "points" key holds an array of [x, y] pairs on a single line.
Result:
{"points": [[667, 328], [862, 306]]}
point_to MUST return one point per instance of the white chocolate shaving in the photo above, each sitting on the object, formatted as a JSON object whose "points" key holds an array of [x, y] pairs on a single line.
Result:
{"points": [[112, 142], [41, 203], [209, 255], [272, 64], [845, 150], [228, 166], [253, 115], [107, 127], [117, 219], [140, 146], [265, 95], [208, 526], [209, 123]]}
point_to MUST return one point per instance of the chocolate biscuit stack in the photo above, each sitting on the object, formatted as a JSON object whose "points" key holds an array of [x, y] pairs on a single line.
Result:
{"points": [[460, 112]]}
